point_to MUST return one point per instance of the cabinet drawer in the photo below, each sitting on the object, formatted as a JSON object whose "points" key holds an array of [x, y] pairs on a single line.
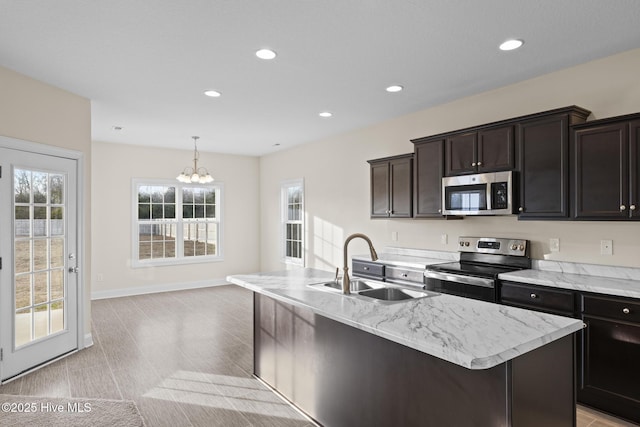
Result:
{"points": [[364, 268], [541, 298], [613, 308], [399, 273]]}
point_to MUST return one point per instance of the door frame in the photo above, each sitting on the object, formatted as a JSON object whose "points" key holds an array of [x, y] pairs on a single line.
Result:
{"points": [[48, 150]]}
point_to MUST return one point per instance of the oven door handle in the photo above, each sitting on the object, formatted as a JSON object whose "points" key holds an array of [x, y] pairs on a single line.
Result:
{"points": [[467, 280]]}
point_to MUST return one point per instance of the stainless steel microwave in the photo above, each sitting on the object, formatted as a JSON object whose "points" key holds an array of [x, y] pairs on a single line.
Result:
{"points": [[479, 194]]}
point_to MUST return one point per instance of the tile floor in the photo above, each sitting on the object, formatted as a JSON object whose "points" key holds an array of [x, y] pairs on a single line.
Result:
{"points": [[185, 358]]}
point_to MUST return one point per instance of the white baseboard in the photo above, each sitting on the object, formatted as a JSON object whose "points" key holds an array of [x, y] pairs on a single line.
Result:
{"points": [[88, 340], [141, 290]]}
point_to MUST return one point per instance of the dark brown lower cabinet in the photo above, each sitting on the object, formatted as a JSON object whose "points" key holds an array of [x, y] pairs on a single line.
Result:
{"points": [[610, 379], [342, 376]]}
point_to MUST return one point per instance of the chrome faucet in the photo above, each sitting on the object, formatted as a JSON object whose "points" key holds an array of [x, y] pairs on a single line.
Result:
{"points": [[346, 282]]}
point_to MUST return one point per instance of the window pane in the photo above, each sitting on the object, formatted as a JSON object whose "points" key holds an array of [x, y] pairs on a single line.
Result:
{"points": [[23, 291], [57, 284], [22, 186], [187, 195], [144, 211], [57, 317], [57, 253], [40, 287], [199, 211], [23, 326], [22, 222], [210, 197], [23, 256], [40, 253], [40, 187], [210, 211], [198, 195], [57, 189], [187, 211], [170, 211], [170, 195], [156, 212], [157, 195], [144, 250], [41, 321], [144, 195]]}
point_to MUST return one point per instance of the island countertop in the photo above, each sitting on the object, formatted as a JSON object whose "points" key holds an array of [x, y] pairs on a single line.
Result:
{"points": [[470, 333]]}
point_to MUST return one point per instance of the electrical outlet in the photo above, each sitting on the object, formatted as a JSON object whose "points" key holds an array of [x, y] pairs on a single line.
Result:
{"points": [[554, 245], [444, 239], [394, 236], [606, 247]]}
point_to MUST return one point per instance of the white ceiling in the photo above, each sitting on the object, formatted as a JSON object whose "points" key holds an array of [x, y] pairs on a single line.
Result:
{"points": [[145, 63]]}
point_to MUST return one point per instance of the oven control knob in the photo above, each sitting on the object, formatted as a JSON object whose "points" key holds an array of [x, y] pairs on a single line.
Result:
{"points": [[514, 247], [461, 243], [521, 247], [466, 243]]}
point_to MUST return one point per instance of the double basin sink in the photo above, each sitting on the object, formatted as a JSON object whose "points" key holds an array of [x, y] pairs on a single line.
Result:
{"points": [[375, 291]]}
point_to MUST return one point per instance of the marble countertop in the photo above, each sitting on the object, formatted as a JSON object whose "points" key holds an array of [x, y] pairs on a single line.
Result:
{"points": [[470, 333], [579, 282], [411, 258]]}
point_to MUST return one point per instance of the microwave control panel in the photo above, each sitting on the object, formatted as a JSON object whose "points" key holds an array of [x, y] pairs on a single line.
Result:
{"points": [[499, 195]]}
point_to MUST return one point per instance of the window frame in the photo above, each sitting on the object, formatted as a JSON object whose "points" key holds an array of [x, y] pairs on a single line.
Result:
{"points": [[179, 259], [284, 204]]}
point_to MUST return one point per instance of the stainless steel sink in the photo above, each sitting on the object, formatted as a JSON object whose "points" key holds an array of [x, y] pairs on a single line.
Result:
{"points": [[356, 285], [395, 294]]}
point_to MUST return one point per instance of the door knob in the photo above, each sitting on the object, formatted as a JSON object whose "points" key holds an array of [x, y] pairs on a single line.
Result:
{"points": [[632, 207], [479, 163], [521, 209], [473, 164], [626, 310], [622, 208]]}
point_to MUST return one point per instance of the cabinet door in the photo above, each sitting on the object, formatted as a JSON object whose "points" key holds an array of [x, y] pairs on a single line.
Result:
{"points": [[380, 190], [495, 149], [460, 156], [610, 372], [634, 166], [601, 183], [401, 173], [428, 179], [544, 168]]}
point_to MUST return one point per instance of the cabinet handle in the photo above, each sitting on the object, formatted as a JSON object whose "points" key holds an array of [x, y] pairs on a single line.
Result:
{"points": [[626, 310], [405, 275], [439, 210], [473, 164], [365, 268], [520, 209], [533, 296], [622, 208], [632, 207], [479, 163]]}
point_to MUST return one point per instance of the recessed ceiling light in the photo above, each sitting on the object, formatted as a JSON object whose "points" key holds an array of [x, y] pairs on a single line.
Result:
{"points": [[116, 128], [325, 114], [212, 93], [395, 88], [265, 54], [511, 44]]}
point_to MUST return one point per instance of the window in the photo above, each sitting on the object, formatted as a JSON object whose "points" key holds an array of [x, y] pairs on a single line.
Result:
{"points": [[292, 202], [176, 223]]}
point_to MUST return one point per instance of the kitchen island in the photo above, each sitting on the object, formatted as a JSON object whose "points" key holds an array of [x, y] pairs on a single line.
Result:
{"points": [[435, 361]]}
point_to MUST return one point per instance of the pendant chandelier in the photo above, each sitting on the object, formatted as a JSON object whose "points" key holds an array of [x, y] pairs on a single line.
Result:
{"points": [[195, 174]]}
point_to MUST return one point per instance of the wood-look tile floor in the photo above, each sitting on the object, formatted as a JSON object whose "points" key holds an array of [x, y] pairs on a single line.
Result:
{"points": [[185, 358]]}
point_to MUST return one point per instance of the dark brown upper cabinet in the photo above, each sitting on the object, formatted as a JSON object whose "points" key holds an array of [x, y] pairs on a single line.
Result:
{"points": [[392, 187], [428, 171], [486, 150], [543, 162], [605, 156]]}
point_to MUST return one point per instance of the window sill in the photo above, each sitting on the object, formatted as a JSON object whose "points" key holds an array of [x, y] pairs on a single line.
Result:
{"points": [[174, 262]]}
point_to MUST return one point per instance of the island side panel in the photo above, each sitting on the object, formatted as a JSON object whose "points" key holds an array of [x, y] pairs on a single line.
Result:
{"points": [[341, 376], [543, 386]]}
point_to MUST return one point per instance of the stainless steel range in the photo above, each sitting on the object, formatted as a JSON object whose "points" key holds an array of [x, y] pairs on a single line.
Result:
{"points": [[476, 274]]}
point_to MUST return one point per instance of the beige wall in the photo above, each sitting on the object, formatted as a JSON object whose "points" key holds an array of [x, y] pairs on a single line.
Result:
{"points": [[114, 168], [337, 176], [34, 111]]}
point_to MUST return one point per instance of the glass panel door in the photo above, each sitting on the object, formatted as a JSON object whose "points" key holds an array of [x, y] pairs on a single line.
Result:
{"points": [[38, 280]]}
